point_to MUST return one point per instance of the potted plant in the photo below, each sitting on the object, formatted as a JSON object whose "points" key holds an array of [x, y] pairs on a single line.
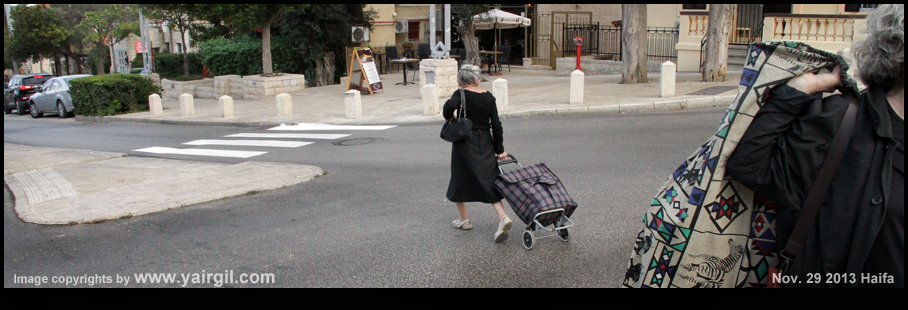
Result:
{"points": [[407, 45]]}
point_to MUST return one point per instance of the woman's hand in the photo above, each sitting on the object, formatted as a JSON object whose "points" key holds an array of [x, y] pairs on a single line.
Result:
{"points": [[811, 83], [503, 156]]}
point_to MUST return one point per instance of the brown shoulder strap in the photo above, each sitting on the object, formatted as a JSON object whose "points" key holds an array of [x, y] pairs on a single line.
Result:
{"points": [[821, 185]]}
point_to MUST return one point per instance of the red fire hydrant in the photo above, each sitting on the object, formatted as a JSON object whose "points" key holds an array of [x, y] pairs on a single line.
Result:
{"points": [[578, 41]]}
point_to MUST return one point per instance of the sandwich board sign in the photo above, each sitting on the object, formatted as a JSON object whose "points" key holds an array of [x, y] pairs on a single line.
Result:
{"points": [[363, 73]]}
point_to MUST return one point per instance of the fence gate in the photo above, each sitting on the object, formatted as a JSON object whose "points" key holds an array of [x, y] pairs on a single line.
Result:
{"points": [[547, 34]]}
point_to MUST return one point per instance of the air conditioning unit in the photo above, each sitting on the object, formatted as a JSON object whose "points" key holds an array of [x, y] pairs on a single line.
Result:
{"points": [[360, 34], [402, 26]]}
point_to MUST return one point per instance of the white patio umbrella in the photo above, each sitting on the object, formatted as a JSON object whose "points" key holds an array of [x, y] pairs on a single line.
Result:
{"points": [[498, 19]]}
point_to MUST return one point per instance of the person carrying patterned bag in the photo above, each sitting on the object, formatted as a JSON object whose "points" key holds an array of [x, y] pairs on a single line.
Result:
{"points": [[722, 217], [474, 168], [859, 234]]}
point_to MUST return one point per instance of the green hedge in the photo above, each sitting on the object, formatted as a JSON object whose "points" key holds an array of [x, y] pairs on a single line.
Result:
{"points": [[111, 94], [170, 65], [243, 56]]}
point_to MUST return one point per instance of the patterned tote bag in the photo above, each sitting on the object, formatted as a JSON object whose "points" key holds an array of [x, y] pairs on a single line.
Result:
{"points": [[703, 229]]}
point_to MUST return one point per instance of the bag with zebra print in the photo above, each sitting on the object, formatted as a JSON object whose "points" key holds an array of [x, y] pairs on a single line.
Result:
{"points": [[703, 229]]}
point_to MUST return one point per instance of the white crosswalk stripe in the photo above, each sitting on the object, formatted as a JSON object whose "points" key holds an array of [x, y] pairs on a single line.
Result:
{"points": [[288, 136], [262, 140], [264, 143], [200, 152]]}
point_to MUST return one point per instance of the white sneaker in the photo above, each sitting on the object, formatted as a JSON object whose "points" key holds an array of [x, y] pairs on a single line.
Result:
{"points": [[504, 228]]}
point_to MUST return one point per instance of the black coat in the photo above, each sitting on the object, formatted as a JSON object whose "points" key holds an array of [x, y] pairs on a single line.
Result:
{"points": [[474, 165], [780, 154]]}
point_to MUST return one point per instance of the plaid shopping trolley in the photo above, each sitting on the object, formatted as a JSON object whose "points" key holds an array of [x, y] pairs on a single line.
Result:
{"points": [[539, 199]]}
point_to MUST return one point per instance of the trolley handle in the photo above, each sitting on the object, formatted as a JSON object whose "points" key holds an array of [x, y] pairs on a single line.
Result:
{"points": [[512, 160]]}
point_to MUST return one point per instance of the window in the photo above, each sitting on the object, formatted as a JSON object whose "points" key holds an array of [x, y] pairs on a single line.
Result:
{"points": [[693, 6], [860, 7], [413, 34]]}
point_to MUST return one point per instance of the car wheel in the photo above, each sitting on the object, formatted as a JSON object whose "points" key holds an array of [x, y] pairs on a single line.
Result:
{"points": [[61, 109], [21, 108], [33, 110]]}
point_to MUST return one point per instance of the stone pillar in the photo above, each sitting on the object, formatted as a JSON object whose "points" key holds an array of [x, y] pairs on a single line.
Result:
{"points": [[577, 87], [429, 100], [187, 105], [353, 104], [284, 105], [500, 91], [155, 105], [443, 73], [226, 104], [667, 79]]}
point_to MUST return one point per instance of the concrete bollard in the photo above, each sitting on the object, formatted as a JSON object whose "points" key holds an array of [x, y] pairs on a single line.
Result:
{"points": [[429, 100], [500, 91], [155, 105], [187, 105], [667, 79], [353, 103], [577, 87], [226, 104], [284, 105]]}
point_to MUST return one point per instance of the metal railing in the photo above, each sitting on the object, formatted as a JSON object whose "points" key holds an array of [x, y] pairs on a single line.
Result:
{"points": [[605, 42]]}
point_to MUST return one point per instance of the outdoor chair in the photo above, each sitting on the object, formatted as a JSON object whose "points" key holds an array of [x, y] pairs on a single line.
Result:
{"points": [[424, 51], [504, 57], [391, 53]]}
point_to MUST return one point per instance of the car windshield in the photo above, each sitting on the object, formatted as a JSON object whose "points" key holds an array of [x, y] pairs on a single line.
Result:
{"points": [[36, 80]]}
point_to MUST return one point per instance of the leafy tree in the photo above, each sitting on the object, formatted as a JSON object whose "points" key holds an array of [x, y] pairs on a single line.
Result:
{"points": [[318, 31], [463, 17], [39, 32], [251, 17], [177, 16], [110, 24]]}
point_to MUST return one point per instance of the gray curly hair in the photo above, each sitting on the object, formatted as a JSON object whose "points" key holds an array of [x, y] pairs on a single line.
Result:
{"points": [[468, 75], [881, 57]]}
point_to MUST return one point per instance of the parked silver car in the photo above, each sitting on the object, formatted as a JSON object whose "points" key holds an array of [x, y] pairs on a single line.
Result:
{"points": [[53, 97]]}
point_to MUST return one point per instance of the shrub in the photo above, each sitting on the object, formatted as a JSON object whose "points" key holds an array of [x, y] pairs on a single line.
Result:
{"points": [[170, 65], [243, 56], [111, 94]]}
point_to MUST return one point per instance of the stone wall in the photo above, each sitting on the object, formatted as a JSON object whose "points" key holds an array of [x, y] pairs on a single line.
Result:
{"points": [[259, 87], [566, 65], [245, 87], [197, 88]]}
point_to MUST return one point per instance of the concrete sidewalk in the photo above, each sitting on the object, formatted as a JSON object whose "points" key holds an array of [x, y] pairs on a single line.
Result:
{"points": [[65, 186]]}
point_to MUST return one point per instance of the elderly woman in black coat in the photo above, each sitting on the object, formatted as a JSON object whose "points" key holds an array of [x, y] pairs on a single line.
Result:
{"points": [[474, 167], [859, 234]]}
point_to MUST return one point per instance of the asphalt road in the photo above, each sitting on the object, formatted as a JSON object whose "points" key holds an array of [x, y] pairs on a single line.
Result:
{"points": [[379, 218]]}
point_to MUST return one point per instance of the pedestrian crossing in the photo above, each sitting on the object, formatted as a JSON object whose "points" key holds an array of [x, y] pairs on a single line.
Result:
{"points": [[261, 140]]}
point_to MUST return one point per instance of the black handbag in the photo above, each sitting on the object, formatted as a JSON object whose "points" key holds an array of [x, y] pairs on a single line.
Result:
{"points": [[459, 128]]}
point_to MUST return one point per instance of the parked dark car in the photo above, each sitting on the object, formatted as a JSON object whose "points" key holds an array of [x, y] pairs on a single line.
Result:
{"points": [[19, 89], [53, 97]]}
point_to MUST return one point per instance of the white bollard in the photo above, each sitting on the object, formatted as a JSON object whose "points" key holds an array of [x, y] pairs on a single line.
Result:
{"points": [[155, 105], [353, 103], [667, 79], [187, 105], [429, 100], [500, 91], [226, 104], [577, 87], [284, 105]]}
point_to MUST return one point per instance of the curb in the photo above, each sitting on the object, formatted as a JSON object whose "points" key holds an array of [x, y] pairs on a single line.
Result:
{"points": [[108, 120]]}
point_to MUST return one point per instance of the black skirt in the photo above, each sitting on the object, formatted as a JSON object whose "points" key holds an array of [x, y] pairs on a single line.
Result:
{"points": [[474, 169]]}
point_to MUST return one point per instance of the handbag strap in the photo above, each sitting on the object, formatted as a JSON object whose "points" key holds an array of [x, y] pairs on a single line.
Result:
{"points": [[821, 185], [463, 104]]}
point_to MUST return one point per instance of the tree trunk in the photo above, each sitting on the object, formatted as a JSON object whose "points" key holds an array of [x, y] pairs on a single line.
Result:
{"points": [[325, 70], [267, 68], [185, 52], [99, 65], [470, 43], [633, 41], [715, 63]]}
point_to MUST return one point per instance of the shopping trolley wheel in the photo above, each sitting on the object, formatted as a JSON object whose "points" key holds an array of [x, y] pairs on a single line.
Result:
{"points": [[529, 239], [565, 236]]}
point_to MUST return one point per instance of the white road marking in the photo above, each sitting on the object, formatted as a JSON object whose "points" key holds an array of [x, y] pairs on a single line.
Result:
{"points": [[288, 135], [200, 152], [265, 143], [307, 126]]}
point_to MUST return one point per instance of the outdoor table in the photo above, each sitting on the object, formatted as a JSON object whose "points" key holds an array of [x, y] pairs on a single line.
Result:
{"points": [[404, 61], [495, 56]]}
